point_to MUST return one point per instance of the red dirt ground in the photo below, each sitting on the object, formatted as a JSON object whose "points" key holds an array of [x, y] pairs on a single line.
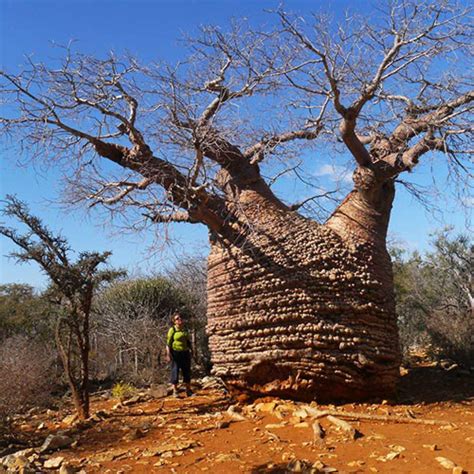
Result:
{"points": [[198, 434]]}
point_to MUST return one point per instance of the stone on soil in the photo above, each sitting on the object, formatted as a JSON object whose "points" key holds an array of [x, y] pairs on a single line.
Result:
{"points": [[446, 463], [66, 469], [158, 391], [70, 419], [53, 463], [56, 441]]}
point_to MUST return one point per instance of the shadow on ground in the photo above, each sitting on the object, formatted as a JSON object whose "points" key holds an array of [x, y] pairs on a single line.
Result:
{"points": [[433, 384]]}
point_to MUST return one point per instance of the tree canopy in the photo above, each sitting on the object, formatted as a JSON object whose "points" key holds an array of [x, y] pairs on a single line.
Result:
{"points": [[233, 114]]}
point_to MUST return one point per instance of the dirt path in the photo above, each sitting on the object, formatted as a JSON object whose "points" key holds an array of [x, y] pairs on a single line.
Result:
{"points": [[201, 434]]}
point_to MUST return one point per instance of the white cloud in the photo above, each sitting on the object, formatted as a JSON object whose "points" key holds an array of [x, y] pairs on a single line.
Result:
{"points": [[469, 201], [335, 173]]}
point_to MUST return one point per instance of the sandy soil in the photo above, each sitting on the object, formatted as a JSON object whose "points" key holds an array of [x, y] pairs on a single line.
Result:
{"points": [[201, 434]]}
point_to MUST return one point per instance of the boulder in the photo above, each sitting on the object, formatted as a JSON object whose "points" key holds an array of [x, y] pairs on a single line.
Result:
{"points": [[55, 441]]}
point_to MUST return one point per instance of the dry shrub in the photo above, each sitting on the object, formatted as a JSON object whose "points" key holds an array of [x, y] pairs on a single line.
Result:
{"points": [[27, 375], [453, 335]]}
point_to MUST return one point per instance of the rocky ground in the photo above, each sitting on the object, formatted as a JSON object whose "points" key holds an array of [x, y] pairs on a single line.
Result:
{"points": [[428, 428]]}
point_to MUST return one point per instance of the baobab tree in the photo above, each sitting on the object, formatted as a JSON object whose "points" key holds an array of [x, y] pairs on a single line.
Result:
{"points": [[295, 306]]}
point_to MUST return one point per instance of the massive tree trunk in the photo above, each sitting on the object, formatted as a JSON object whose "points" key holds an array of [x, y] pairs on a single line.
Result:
{"points": [[305, 310]]}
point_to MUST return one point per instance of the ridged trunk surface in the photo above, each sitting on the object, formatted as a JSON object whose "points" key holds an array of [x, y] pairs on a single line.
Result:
{"points": [[305, 310]]}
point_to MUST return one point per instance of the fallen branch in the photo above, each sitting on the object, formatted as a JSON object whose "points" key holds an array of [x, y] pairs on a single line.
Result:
{"points": [[318, 433], [364, 416], [203, 430], [346, 427]]}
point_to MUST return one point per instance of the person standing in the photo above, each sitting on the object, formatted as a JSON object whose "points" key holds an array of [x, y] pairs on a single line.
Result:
{"points": [[179, 351]]}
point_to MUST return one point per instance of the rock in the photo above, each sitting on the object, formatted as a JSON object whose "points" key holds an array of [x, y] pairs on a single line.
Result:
{"points": [[232, 412], [168, 449], [395, 453], [158, 391], [275, 425], [397, 448], [102, 414], [41, 426], [56, 441], [222, 424], [24, 452], [458, 470], [431, 447], [226, 457], [318, 432], [320, 467], [15, 462], [133, 400], [212, 383], [133, 434], [293, 420], [110, 455], [302, 413], [53, 463], [70, 419], [33, 458], [67, 469], [404, 371], [303, 424], [295, 465], [266, 407], [99, 415], [103, 457], [446, 463], [83, 424]]}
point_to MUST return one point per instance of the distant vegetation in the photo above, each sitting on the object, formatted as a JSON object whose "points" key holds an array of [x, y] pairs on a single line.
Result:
{"points": [[100, 327], [129, 320], [435, 297]]}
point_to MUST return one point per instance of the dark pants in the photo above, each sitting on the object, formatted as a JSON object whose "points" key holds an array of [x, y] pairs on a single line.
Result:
{"points": [[180, 360]]}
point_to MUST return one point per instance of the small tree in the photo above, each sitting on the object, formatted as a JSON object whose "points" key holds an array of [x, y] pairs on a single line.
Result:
{"points": [[73, 287]]}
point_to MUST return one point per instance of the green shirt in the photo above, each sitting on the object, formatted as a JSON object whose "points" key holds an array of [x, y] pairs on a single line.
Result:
{"points": [[179, 341]]}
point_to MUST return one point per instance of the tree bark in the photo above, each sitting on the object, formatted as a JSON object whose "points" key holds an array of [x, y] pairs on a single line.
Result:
{"points": [[305, 310]]}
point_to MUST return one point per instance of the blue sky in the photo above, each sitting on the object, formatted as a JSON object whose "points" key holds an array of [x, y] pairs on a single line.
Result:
{"points": [[149, 30]]}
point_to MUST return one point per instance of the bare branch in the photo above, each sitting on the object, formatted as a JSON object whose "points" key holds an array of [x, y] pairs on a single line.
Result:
{"points": [[181, 216], [298, 205]]}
